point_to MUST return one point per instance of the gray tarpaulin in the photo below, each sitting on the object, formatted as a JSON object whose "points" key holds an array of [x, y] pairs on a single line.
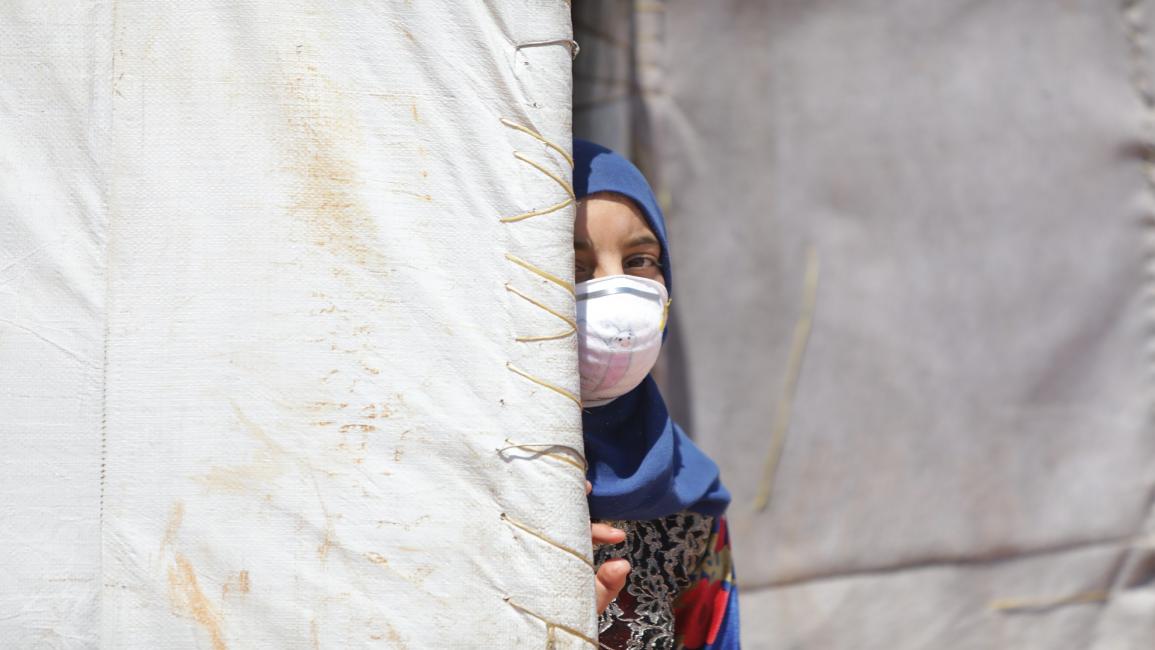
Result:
{"points": [[960, 188]]}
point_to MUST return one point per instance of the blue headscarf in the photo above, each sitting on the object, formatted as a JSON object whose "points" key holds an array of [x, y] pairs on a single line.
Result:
{"points": [[642, 465]]}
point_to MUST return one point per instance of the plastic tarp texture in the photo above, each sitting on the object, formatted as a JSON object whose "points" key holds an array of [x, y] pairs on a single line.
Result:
{"points": [[962, 190], [267, 346]]}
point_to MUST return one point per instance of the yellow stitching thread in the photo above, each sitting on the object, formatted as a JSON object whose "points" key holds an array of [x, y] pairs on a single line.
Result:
{"points": [[545, 337], [540, 138], [1026, 604], [543, 537], [565, 185], [541, 382], [793, 370], [537, 213], [534, 446], [568, 286], [543, 449], [581, 464], [574, 48], [568, 321], [550, 624]]}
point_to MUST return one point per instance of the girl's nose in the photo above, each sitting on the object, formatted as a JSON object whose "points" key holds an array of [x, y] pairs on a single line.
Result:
{"points": [[608, 267]]}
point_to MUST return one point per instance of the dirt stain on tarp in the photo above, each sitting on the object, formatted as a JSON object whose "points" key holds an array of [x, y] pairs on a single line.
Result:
{"points": [[374, 410], [187, 599], [326, 545], [390, 634], [416, 577], [175, 518], [239, 584], [322, 131], [269, 462]]}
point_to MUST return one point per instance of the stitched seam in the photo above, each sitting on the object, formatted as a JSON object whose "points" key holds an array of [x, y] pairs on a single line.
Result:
{"points": [[544, 450], [785, 406], [1134, 16], [547, 539]]}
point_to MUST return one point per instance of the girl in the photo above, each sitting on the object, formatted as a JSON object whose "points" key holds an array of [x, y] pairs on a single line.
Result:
{"points": [[660, 495]]}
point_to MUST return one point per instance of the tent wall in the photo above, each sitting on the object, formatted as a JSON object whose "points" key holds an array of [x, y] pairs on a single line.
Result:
{"points": [[960, 191], [263, 330]]}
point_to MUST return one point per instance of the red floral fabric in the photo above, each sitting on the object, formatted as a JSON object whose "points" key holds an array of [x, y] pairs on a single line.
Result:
{"points": [[680, 593]]}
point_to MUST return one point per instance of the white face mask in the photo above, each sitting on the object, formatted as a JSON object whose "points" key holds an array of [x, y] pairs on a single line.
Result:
{"points": [[620, 322]]}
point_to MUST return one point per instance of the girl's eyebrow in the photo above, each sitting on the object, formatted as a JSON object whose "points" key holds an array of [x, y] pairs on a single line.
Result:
{"points": [[643, 240], [582, 245]]}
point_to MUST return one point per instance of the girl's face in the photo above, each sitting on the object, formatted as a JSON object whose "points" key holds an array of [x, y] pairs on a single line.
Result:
{"points": [[611, 237]]}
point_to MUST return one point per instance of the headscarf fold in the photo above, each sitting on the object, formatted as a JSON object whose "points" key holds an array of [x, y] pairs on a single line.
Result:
{"points": [[641, 464]]}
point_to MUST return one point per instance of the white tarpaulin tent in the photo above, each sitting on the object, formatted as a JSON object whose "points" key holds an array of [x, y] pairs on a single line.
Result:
{"points": [[283, 329]]}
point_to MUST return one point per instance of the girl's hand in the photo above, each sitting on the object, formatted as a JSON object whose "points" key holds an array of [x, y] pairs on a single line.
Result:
{"points": [[612, 574]]}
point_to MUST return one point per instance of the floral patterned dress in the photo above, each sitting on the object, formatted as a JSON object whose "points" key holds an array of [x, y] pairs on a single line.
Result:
{"points": [[680, 593]]}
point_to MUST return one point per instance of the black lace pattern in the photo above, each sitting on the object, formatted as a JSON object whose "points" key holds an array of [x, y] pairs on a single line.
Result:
{"points": [[663, 555]]}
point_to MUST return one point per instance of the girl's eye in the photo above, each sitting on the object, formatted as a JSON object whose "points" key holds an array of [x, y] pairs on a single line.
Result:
{"points": [[641, 262], [580, 272]]}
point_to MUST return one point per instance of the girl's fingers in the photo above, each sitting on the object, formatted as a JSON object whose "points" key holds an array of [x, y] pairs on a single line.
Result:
{"points": [[611, 578], [607, 534], [611, 575]]}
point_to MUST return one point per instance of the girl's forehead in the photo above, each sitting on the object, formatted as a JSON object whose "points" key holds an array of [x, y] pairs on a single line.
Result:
{"points": [[606, 215]]}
